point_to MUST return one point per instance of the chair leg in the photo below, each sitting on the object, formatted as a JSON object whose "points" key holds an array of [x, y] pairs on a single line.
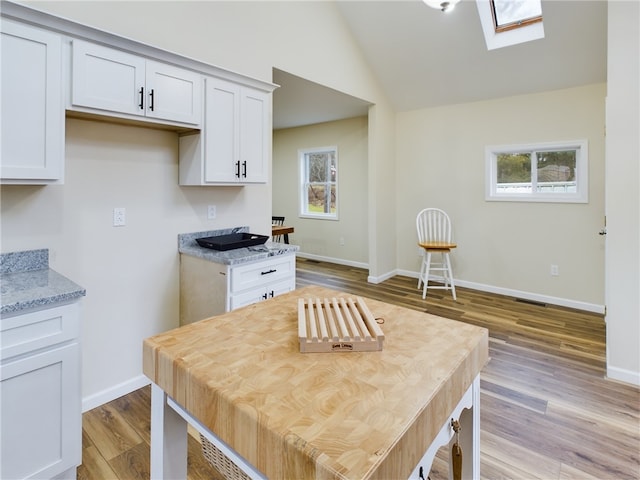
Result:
{"points": [[444, 269], [425, 280], [449, 273], [421, 270]]}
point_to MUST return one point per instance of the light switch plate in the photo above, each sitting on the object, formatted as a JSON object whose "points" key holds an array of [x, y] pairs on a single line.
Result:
{"points": [[119, 217]]}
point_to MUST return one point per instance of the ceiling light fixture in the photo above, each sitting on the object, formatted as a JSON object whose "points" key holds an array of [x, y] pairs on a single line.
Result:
{"points": [[443, 5]]}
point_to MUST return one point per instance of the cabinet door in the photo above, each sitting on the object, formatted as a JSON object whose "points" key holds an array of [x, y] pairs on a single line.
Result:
{"points": [[32, 105], [279, 288], [254, 135], [247, 298], [262, 293], [234, 145], [173, 93], [222, 125], [107, 79], [41, 414]]}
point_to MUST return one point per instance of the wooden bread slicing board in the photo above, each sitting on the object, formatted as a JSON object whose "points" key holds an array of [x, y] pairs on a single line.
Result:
{"points": [[337, 325]]}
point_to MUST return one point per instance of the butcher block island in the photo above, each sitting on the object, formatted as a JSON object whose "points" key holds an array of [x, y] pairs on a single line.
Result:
{"points": [[281, 414]]}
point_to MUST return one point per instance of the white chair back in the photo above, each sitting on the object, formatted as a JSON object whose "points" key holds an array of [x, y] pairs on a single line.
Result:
{"points": [[433, 225]]}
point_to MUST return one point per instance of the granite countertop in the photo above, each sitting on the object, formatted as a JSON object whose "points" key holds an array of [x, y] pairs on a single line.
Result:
{"points": [[27, 282], [187, 245]]}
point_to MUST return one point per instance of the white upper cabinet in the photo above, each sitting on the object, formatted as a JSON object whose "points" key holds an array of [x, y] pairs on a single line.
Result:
{"points": [[173, 93], [52, 67], [222, 139], [233, 148], [107, 79], [32, 105], [122, 84]]}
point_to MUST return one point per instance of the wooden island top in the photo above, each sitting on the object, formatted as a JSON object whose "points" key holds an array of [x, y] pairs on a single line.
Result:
{"points": [[338, 415]]}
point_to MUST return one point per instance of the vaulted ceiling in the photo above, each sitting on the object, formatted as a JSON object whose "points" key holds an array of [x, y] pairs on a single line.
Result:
{"points": [[424, 58]]}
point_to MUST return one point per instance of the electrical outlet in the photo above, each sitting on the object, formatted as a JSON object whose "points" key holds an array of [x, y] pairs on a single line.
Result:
{"points": [[555, 271], [119, 217], [211, 212], [342, 241]]}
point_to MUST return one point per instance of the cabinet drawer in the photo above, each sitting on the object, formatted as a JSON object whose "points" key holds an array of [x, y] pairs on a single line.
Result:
{"points": [[262, 273], [31, 331]]}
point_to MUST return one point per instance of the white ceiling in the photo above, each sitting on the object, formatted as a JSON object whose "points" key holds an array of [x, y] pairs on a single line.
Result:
{"points": [[424, 58], [300, 102]]}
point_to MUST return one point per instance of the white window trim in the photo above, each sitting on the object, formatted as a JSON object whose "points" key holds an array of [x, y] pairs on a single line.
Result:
{"points": [[582, 173], [495, 40], [302, 181]]}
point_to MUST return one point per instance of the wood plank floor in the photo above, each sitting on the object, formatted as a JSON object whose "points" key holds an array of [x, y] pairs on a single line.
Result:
{"points": [[547, 411]]}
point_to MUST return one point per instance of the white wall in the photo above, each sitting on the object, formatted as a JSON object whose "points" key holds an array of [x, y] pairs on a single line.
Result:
{"points": [[320, 239], [382, 194], [623, 195], [132, 287], [252, 37], [130, 272], [511, 246]]}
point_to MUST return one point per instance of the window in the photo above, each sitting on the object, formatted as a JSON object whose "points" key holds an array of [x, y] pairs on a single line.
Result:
{"points": [[553, 172], [318, 183], [510, 14]]}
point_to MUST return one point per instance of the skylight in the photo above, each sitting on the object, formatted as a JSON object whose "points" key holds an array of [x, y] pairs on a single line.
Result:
{"points": [[509, 14], [510, 22]]}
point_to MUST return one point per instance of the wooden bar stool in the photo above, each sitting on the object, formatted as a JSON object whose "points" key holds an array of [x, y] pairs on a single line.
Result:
{"points": [[434, 236]]}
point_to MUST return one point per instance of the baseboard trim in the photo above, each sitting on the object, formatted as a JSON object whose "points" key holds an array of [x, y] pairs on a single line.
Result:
{"points": [[339, 261], [105, 396], [381, 278], [536, 297], [348, 263], [623, 375]]}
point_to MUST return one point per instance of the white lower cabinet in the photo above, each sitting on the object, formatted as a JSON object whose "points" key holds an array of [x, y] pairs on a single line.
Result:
{"points": [[40, 397], [259, 281], [209, 288]]}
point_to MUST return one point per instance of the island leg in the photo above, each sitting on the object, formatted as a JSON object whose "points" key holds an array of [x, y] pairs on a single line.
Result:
{"points": [[467, 412], [168, 439], [469, 436]]}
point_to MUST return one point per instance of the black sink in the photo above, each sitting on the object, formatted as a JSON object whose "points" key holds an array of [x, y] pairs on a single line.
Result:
{"points": [[232, 241]]}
